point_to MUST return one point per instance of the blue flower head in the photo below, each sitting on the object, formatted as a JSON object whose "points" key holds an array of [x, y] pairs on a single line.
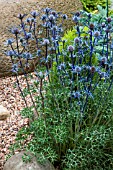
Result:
{"points": [[76, 95], [76, 40], [43, 17], [10, 53], [21, 16], [70, 48], [47, 10], [15, 68], [34, 14], [28, 20], [109, 19], [39, 52], [51, 17], [46, 42], [61, 66], [28, 56], [75, 19], [76, 69], [103, 60], [96, 34], [28, 36], [9, 41], [15, 31], [64, 16]]}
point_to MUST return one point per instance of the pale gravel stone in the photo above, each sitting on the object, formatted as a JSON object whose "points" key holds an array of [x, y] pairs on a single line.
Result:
{"points": [[4, 113], [16, 163]]}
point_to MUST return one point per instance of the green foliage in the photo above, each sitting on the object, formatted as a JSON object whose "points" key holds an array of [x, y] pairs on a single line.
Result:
{"points": [[92, 150], [90, 5], [68, 138]]}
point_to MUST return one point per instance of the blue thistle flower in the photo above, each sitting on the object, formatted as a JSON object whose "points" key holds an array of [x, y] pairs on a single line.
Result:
{"points": [[109, 19], [91, 26], [77, 13], [39, 52], [54, 13], [61, 66], [103, 60], [10, 53], [76, 40], [9, 41], [70, 48], [51, 17], [21, 16], [75, 19], [28, 20], [64, 16], [47, 10], [89, 15], [15, 68], [96, 34], [76, 95], [28, 36], [46, 42], [43, 17], [34, 14], [15, 31], [28, 56], [76, 69], [103, 25], [93, 69]]}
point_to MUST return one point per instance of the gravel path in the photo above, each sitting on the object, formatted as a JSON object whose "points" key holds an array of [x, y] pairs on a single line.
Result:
{"points": [[11, 99]]}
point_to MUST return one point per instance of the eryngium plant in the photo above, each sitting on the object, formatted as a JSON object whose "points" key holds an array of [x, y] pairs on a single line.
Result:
{"points": [[72, 92]]}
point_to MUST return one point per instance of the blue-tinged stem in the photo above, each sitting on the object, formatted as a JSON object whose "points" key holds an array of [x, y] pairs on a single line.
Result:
{"points": [[24, 72], [19, 85], [34, 30], [17, 43], [91, 49]]}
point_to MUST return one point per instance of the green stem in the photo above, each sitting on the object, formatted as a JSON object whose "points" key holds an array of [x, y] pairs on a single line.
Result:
{"points": [[107, 6]]}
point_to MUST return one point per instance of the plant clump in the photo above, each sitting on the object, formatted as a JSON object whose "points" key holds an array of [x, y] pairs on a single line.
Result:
{"points": [[71, 120]]}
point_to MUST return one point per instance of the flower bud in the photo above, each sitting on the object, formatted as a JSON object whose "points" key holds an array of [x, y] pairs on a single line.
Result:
{"points": [[109, 19], [103, 24], [70, 48], [76, 95], [43, 17], [96, 34], [92, 69], [64, 16], [21, 16], [76, 40], [103, 60], [46, 42], [15, 31], [9, 41], [34, 14], [51, 17], [91, 26]]}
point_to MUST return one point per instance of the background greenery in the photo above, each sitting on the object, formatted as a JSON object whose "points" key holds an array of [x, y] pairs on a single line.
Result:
{"points": [[91, 5]]}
